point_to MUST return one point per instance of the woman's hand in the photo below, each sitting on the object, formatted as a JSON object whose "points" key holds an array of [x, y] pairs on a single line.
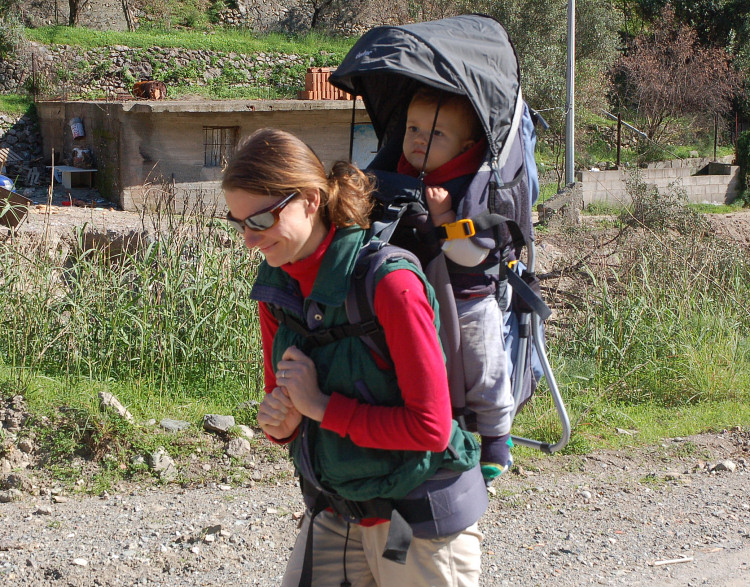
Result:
{"points": [[297, 374], [277, 415]]}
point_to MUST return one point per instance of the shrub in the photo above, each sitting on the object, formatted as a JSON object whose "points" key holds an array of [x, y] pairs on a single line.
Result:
{"points": [[660, 210], [743, 158], [11, 35]]}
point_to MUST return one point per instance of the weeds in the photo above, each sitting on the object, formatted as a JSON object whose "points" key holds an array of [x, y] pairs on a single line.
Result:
{"points": [[659, 341], [660, 210]]}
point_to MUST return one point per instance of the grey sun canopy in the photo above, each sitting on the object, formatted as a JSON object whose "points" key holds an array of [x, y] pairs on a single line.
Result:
{"points": [[469, 55]]}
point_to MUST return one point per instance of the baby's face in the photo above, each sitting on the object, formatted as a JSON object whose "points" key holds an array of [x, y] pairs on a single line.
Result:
{"points": [[451, 137]]}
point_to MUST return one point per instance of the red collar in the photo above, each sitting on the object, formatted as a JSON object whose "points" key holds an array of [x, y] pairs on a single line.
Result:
{"points": [[463, 164], [306, 270]]}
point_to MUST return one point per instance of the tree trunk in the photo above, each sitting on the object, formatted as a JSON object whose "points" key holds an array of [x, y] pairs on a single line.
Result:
{"points": [[76, 7], [317, 9], [129, 17]]}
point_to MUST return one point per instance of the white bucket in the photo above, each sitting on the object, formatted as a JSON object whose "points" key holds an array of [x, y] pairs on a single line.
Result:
{"points": [[76, 126]]}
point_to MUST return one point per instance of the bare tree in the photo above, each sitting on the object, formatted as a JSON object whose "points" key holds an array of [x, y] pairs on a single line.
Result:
{"points": [[667, 74], [129, 17], [318, 7]]}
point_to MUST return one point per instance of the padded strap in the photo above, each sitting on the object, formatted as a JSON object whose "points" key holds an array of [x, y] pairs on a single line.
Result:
{"points": [[534, 303], [399, 539]]}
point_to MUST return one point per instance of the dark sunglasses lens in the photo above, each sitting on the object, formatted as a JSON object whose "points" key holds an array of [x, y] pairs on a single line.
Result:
{"points": [[261, 221], [237, 225]]}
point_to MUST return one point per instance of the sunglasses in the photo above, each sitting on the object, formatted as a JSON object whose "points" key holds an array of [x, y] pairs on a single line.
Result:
{"points": [[262, 220]]}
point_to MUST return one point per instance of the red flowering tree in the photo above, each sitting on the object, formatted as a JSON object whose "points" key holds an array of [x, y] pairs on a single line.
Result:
{"points": [[667, 74]]}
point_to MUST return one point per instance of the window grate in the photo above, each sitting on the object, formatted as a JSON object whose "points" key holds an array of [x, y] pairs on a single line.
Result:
{"points": [[219, 143]]}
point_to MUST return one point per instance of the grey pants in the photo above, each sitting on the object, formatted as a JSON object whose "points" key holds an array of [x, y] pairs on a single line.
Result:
{"points": [[487, 381]]}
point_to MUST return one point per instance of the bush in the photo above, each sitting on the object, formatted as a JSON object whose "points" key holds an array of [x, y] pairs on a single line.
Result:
{"points": [[11, 35], [665, 210], [743, 159]]}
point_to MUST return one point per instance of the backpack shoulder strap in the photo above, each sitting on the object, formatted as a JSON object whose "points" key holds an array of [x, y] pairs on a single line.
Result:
{"points": [[360, 301]]}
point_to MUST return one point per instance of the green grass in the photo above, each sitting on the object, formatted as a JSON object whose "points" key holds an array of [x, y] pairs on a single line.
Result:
{"points": [[226, 41], [16, 105], [659, 346], [717, 208]]}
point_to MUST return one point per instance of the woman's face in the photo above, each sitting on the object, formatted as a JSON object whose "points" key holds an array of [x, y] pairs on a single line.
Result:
{"points": [[292, 237]]}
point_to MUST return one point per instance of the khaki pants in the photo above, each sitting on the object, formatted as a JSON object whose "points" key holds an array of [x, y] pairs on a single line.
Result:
{"points": [[449, 561]]}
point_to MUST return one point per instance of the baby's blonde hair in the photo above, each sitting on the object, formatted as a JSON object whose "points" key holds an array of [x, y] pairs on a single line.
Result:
{"points": [[429, 96]]}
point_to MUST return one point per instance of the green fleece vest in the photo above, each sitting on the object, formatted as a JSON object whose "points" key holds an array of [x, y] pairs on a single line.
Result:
{"points": [[347, 367]]}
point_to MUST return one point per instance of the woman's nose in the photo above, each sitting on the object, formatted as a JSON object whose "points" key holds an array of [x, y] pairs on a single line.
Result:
{"points": [[252, 238]]}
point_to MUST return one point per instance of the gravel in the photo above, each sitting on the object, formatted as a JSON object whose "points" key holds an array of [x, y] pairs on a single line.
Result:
{"points": [[607, 518]]}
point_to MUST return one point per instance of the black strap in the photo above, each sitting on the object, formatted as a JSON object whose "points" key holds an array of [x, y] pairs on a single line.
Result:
{"points": [[399, 533], [399, 539], [487, 220], [305, 578], [324, 336], [524, 291]]}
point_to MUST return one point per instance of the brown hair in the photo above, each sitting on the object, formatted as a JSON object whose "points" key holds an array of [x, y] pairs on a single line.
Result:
{"points": [[430, 96], [274, 162]]}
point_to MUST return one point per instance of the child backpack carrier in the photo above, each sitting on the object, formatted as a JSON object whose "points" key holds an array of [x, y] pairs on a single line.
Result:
{"points": [[470, 55]]}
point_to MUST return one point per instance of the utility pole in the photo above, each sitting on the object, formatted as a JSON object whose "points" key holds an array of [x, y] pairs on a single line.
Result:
{"points": [[570, 100]]}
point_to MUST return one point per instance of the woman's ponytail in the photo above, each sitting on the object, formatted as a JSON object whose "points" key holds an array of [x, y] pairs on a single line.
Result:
{"points": [[349, 199]]}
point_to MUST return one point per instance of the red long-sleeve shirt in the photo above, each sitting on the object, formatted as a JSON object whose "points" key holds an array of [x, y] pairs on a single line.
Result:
{"points": [[424, 421]]}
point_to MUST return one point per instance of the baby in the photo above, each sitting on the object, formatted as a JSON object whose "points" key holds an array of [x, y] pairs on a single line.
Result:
{"points": [[457, 150]]}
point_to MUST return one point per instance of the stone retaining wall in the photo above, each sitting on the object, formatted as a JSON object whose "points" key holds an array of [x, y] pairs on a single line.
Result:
{"points": [[115, 69], [21, 134], [342, 17], [610, 186]]}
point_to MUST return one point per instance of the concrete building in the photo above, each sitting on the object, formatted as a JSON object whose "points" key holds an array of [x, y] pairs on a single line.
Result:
{"points": [[144, 149]]}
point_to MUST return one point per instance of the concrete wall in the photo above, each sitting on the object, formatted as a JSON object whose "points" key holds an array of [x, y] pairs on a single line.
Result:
{"points": [[610, 186], [141, 147]]}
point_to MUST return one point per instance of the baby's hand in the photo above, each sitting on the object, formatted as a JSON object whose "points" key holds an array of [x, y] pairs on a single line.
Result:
{"points": [[438, 200], [439, 205]]}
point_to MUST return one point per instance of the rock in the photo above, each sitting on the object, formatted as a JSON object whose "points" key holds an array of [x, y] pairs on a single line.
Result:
{"points": [[109, 402], [163, 464], [174, 425], [81, 562], [43, 510], [217, 423], [26, 445], [15, 481], [245, 431], [10, 495], [724, 466], [238, 447]]}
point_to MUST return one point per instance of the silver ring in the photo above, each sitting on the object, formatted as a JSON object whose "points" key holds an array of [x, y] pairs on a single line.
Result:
{"points": [[282, 375]]}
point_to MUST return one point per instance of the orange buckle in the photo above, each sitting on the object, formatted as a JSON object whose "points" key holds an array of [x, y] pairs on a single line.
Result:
{"points": [[463, 228]]}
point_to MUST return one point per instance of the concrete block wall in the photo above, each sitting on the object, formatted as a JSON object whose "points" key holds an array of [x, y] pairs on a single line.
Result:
{"points": [[610, 186]]}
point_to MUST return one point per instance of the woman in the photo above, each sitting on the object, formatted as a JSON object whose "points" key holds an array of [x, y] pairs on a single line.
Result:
{"points": [[371, 436]]}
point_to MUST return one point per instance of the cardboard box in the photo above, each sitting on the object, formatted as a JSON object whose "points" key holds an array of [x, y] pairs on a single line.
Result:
{"points": [[13, 208]]}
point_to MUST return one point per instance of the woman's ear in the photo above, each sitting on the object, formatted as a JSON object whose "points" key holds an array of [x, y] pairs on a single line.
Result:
{"points": [[312, 200]]}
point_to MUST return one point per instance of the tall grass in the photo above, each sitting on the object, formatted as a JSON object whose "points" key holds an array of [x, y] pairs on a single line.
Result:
{"points": [[163, 314], [656, 339], [655, 336]]}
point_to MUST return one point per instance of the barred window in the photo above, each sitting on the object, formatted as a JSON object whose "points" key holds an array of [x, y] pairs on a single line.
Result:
{"points": [[219, 143]]}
